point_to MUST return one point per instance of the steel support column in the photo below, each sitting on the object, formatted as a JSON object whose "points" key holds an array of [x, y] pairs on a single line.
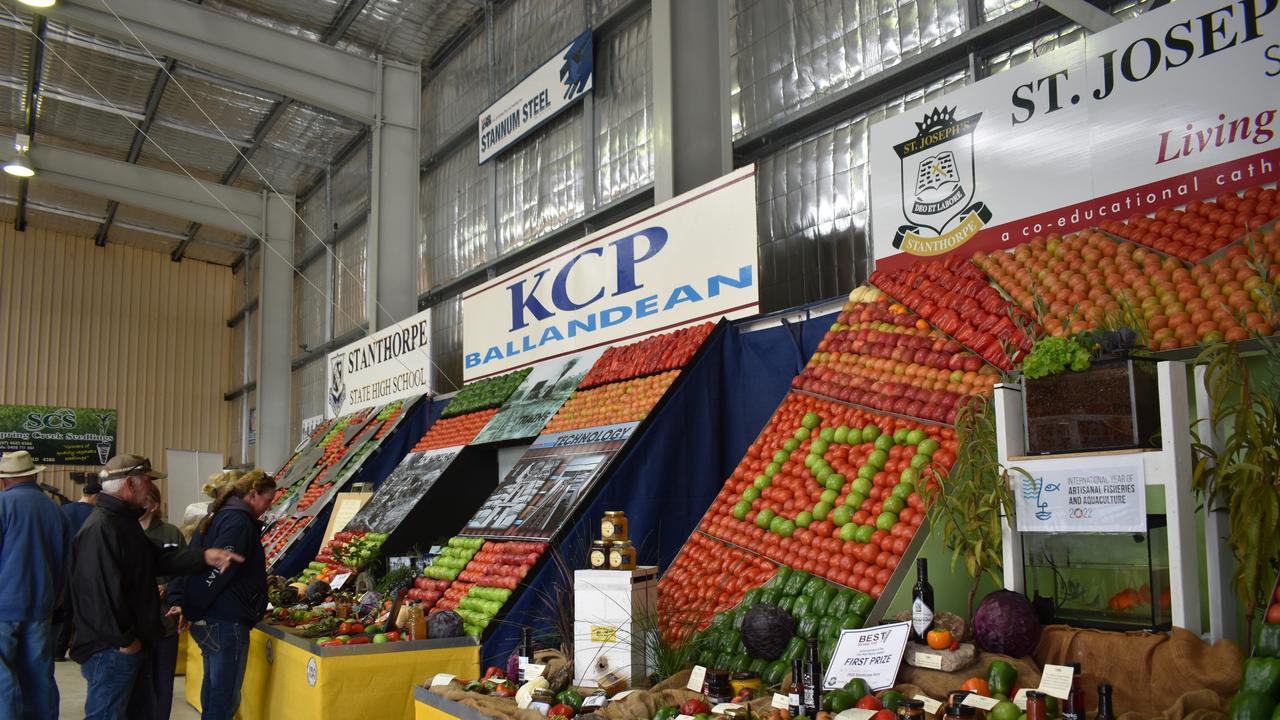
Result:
{"points": [[275, 332], [691, 131], [391, 265]]}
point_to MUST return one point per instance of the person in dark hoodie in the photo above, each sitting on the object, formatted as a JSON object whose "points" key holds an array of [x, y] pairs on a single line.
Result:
{"points": [[223, 605], [115, 597]]}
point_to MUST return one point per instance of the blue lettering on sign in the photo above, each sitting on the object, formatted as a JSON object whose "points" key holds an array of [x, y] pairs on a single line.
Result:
{"points": [[627, 256], [527, 300]]}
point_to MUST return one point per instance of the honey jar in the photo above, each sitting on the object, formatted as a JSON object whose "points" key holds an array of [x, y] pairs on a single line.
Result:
{"points": [[614, 525], [622, 556], [598, 558]]}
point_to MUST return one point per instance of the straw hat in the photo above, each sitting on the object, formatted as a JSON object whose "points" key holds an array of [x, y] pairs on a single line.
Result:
{"points": [[18, 464]]}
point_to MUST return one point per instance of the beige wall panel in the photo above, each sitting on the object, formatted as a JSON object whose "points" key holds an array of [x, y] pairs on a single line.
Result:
{"points": [[116, 327]]}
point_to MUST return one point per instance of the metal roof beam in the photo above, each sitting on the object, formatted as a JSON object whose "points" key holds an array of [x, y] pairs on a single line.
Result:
{"points": [[311, 72], [343, 22], [240, 211], [39, 27], [1084, 14], [139, 139]]}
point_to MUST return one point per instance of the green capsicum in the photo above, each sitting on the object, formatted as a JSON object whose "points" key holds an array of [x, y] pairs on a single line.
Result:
{"points": [[800, 608], [666, 712], [1268, 644], [570, 697], [1001, 677], [1262, 675]]}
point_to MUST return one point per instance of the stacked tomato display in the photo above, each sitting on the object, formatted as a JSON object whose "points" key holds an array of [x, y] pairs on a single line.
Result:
{"points": [[478, 591], [281, 534], [502, 564], [654, 354], [454, 431], [880, 355], [427, 591], [619, 402], [955, 297], [1202, 227], [1081, 279], [706, 577]]}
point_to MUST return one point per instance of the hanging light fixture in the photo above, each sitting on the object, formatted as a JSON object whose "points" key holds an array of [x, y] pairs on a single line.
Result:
{"points": [[18, 164], [39, 3]]}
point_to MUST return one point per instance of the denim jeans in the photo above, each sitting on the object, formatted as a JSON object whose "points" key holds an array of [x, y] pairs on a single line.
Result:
{"points": [[225, 649], [110, 674], [27, 689]]}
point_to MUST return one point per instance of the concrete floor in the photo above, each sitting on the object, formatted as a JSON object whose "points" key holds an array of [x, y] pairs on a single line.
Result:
{"points": [[71, 687]]}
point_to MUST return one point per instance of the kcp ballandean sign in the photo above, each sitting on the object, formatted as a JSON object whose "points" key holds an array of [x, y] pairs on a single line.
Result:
{"points": [[547, 92], [59, 435], [392, 364], [688, 260], [1178, 104]]}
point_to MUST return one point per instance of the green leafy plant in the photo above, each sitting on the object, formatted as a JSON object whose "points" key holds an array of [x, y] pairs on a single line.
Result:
{"points": [[1242, 474], [968, 505], [1053, 355]]}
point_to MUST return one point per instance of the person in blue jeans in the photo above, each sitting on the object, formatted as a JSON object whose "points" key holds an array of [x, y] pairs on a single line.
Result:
{"points": [[223, 605], [34, 547], [115, 598], [75, 513]]}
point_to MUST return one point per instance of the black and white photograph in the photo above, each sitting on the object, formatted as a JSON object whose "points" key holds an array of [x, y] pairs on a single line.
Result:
{"points": [[538, 398], [401, 491]]}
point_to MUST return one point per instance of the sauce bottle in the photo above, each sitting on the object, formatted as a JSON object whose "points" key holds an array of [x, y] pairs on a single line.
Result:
{"points": [[812, 679], [1036, 708], [795, 691], [1073, 707], [1104, 703]]}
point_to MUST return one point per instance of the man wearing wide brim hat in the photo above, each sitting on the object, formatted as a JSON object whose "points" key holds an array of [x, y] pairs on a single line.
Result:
{"points": [[34, 557], [114, 596]]}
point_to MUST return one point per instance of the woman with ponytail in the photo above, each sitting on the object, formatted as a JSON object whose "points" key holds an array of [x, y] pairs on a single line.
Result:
{"points": [[223, 606]]}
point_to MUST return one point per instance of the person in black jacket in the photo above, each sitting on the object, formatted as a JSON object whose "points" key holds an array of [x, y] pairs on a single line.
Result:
{"points": [[115, 596], [224, 604]]}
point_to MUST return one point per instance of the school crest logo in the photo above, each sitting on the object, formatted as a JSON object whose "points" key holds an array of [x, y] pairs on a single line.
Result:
{"points": [[938, 185], [337, 394]]}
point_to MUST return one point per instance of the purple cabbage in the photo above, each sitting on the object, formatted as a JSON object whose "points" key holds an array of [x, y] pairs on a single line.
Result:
{"points": [[1005, 623]]}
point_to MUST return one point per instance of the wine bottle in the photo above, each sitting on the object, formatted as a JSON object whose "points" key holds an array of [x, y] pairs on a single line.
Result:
{"points": [[1073, 707], [795, 691], [921, 604], [812, 679], [1104, 703], [526, 653]]}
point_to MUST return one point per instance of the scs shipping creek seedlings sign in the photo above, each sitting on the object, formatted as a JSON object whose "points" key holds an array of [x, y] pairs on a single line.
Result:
{"points": [[1176, 105], [690, 259], [392, 364], [59, 435]]}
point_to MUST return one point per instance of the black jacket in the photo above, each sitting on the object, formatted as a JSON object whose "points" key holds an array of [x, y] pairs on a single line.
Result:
{"points": [[114, 566], [239, 594]]}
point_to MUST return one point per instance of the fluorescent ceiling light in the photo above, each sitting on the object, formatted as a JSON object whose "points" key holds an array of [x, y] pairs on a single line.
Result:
{"points": [[39, 3]]}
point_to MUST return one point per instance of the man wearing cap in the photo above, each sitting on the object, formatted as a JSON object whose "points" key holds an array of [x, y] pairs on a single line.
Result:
{"points": [[115, 598], [34, 548], [75, 513]]}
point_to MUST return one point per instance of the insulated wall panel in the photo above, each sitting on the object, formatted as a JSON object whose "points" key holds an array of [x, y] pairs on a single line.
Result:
{"points": [[812, 199], [446, 344], [116, 327], [308, 393], [349, 282], [313, 227], [540, 182], [528, 33], [788, 54], [310, 303], [351, 186], [455, 93], [454, 202], [624, 112]]}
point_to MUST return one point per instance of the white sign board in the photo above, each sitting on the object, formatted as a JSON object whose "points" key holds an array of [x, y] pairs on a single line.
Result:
{"points": [[688, 260], [545, 93], [309, 426], [1105, 494], [1175, 105], [391, 364], [873, 654]]}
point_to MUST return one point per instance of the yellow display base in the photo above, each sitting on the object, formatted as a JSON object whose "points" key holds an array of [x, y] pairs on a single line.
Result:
{"points": [[180, 667], [429, 706], [288, 677]]}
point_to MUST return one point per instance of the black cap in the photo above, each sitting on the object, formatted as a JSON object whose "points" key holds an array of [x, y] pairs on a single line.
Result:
{"points": [[1074, 666]]}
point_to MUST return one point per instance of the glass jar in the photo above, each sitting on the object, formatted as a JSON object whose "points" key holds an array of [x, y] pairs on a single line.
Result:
{"points": [[598, 558], [614, 526], [740, 681], [910, 710], [717, 687], [622, 556]]}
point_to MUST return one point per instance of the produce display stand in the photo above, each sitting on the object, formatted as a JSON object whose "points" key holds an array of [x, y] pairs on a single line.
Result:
{"points": [[290, 677], [430, 706], [1168, 468]]}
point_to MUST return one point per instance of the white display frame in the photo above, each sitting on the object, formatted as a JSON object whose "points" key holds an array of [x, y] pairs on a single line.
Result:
{"points": [[1169, 467]]}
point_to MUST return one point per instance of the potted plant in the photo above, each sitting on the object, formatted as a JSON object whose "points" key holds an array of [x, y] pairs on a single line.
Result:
{"points": [[1087, 392]]}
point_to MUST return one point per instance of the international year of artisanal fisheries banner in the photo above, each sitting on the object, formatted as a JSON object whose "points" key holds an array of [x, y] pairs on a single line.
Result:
{"points": [[59, 435]]}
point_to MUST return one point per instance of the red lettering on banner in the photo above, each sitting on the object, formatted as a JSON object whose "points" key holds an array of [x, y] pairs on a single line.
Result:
{"points": [[1177, 190]]}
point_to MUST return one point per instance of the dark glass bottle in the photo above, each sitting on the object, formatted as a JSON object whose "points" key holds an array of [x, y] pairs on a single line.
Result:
{"points": [[1073, 707], [526, 652], [795, 691], [921, 604], [1104, 703], [812, 679]]}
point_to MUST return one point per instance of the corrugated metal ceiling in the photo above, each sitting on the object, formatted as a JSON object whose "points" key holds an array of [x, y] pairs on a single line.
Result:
{"points": [[95, 91]]}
